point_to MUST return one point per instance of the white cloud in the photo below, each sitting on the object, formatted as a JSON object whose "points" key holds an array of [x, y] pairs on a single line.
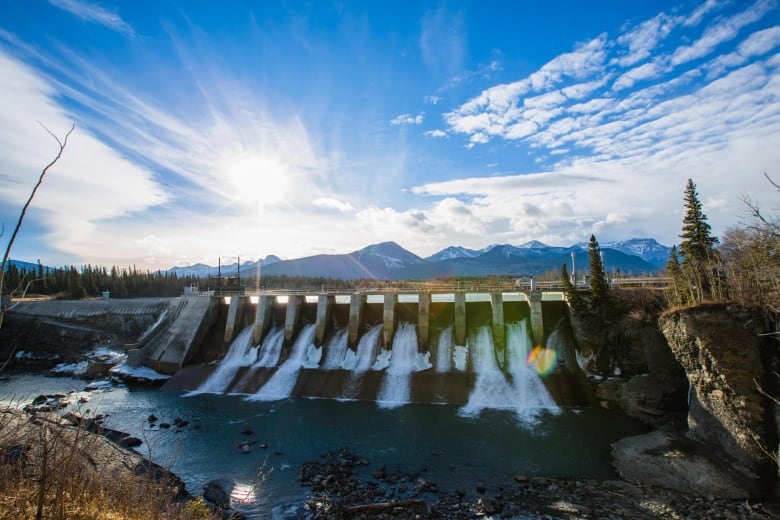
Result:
{"points": [[331, 203], [585, 60], [436, 133], [408, 119], [95, 14], [433, 100], [722, 31], [643, 38], [90, 185], [645, 71], [696, 17]]}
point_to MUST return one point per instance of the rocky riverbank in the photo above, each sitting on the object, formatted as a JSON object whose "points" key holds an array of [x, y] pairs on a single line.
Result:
{"points": [[338, 492]]}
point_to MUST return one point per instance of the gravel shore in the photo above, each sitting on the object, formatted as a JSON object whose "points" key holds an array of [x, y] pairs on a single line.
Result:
{"points": [[338, 493]]}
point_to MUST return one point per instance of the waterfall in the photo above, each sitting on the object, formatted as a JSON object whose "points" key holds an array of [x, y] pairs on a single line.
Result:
{"points": [[526, 381], [444, 351], [360, 362], [283, 381], [522, 391], [271, 349], [236, 357], [395, 389], [335, 350]]}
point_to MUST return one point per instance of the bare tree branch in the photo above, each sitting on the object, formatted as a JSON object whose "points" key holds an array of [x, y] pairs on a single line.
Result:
{"points": [[62, 143]]}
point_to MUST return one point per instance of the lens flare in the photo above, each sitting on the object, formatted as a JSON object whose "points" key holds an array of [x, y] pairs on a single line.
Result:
{"points": [[542, 360]]}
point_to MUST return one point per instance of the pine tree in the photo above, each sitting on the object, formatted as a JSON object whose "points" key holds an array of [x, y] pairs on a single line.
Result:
{"points": [[575, 300], [697, 248], [697, 244], [678, 296], [599, 287]]}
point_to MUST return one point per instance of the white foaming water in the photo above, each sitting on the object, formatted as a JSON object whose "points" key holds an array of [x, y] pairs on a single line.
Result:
{"points": [[527, 383], [335, 350], [281, 384], [444, 351], [524, 392], [359, 363], [235, 358], [271, 349], [395, 389], [312, 357], [368, 345]]}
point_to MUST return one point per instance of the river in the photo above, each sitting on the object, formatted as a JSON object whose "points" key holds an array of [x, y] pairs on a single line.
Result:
{"points": [[452, 449]]}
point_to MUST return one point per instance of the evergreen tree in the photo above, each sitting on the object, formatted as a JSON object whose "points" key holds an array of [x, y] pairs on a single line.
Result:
{"points": [[697, 249], [678, 296], [599, 287], [575, 299], [697, 244]]}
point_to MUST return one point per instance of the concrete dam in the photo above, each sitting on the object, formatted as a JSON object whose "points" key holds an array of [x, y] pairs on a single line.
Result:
{"points": [[478, 349]]}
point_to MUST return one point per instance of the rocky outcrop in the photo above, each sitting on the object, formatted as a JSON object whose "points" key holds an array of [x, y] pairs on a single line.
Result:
{"points": [[730, 444], [632, 367], [668, 459], [729, 361]]}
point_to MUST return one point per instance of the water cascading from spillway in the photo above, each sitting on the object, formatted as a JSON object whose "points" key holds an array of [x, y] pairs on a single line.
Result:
{"points": [[526, 381], [270, 349], [361, 361], [444, 351], [240, 354], [281, 384], [395, 389], [335, 350], [520, 390]]}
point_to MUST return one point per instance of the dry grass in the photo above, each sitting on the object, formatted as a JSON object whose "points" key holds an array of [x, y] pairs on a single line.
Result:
{"points": [[50, 469]]}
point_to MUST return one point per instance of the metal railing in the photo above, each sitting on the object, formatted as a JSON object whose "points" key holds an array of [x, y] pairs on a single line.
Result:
{"points": [[439, 288]]}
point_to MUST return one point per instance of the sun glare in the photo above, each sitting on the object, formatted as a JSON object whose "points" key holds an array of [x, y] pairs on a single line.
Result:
{"points": [[259, 180]]}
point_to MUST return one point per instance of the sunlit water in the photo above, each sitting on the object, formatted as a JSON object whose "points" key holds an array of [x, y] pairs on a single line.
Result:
{"points": [[445, 447]]}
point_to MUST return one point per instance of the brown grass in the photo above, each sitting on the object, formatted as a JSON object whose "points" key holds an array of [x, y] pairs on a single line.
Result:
{"points": [[50, 469]]}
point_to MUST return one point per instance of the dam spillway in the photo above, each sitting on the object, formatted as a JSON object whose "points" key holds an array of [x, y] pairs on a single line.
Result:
{"points": [[390, 347]]}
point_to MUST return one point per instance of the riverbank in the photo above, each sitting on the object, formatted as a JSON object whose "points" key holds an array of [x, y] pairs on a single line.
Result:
{"points": [[338, 493]]}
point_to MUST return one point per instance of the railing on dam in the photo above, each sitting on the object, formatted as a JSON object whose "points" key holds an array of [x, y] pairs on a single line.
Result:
{"points": [[655, 282]]}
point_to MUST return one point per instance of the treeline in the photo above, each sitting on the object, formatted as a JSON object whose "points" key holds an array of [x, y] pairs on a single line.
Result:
{"points": [[742, 266], [88, 281]]}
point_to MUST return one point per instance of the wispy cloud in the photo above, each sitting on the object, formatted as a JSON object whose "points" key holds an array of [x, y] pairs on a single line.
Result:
{"points": [[334, 204], [436, 133], [408, 119], [94, 13]]}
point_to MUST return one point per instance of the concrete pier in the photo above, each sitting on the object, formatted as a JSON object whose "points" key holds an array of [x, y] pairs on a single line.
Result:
{"points": [[497, 305], [265, 305], [423, 318], [459, 317], [325, 304], [292, 319], [389, 318], [235, 317], [356, 302], [537, 320]]}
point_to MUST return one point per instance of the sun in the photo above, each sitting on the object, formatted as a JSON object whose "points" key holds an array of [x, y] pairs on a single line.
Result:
{"points": [[264, 181]]}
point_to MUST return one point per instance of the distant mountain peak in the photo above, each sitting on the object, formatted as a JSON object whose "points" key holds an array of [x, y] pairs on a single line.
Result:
{"points": [[533, 244]]}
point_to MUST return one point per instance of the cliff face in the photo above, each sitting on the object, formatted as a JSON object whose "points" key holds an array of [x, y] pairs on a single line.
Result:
{"points": [[729, 362]]}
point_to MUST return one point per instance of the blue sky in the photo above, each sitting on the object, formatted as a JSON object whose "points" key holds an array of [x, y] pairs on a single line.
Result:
{"points": [[235, 128]]}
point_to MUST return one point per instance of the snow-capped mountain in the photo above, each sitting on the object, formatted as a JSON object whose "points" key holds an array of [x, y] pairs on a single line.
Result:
{"points": [[453, 252], [206, 271], [388, 260], [647, 249]]}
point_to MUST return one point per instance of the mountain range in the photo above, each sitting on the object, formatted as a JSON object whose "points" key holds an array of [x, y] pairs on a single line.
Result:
{"points": [[389, 261]]}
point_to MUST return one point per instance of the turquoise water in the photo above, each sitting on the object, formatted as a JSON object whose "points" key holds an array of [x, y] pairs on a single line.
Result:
{"points": [[450, 449]]}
